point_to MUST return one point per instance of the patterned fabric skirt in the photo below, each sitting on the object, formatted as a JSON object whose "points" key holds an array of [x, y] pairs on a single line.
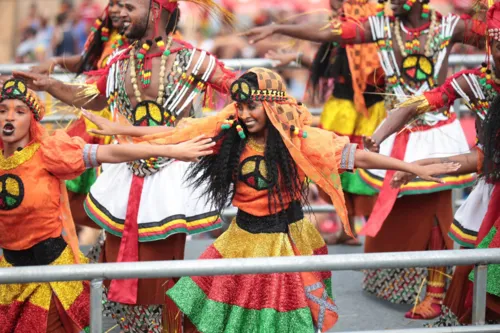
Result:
{"points": [[24, 308], [278, 302], [399, 286]]}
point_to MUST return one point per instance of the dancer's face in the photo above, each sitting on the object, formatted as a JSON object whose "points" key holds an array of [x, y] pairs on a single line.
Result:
{"points": [[134, 16], [15, 121], [253, 115], [114, 9], [397, 7], [495, 53]]}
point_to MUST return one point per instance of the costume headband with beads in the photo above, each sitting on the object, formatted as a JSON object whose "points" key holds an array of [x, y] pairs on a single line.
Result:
{"points": [[242, 92], [16, 89]]}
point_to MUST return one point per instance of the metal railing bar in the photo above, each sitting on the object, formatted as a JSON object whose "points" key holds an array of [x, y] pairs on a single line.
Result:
{"points": [[479, 294], [466, 60], [96, 306], [455, 329], [178, 268]]}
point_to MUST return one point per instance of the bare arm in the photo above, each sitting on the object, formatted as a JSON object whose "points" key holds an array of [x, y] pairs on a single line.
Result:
{"points": [[468, 162], [368, 160], [70, 63], [321, 32], [435, 99], [186, 151], [66, 93]]}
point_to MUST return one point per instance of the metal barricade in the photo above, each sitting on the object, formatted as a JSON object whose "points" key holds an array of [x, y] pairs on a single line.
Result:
{"points": [[98, 272]]}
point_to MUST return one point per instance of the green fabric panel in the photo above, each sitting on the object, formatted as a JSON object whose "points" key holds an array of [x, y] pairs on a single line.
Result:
{"points": [[82, 183], [493, 281], [214, 317], [352, 183]]}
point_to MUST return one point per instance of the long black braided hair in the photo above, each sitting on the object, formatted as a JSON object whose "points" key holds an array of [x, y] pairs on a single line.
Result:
{"points": [[220, 172], [95, 47], [491, 137]]}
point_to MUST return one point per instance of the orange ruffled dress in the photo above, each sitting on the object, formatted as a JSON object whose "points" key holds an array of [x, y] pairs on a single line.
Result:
{"points": [[31, 226]]}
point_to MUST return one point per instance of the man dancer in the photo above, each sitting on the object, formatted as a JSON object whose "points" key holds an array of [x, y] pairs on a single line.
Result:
{"points": [[413, 49], [145, 207]]}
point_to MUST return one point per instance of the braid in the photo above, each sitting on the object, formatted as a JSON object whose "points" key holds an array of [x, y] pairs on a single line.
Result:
{"points": [[219, 171], [94, 49], [491, 135]]}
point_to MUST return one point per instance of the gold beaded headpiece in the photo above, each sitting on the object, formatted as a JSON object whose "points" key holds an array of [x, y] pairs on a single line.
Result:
{"points": [[241, 92], [17, 89]]}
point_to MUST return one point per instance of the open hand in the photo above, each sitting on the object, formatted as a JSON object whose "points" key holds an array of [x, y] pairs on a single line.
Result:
{"points": [[281, 57], [104, 126], [370, 144], [429, 172], [401, 178], [255, 35], [192, 150], [34, 81]]}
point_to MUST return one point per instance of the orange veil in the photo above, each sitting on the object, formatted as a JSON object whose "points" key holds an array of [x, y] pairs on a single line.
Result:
{"points": [[317, 152]]}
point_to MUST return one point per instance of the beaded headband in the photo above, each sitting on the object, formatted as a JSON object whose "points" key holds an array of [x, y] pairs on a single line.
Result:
{"points": [[16, 89], [241, 92]]}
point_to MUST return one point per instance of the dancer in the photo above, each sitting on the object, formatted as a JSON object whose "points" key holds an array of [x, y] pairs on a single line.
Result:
{"points": [[102, 41], [413, 48], [265, 150], [354, 108], [478, 87], [458, 301], [33, 166], [144, 206]]}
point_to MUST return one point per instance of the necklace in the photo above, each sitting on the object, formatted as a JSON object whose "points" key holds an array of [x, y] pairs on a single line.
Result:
{"points": [[258, 147], [161, 86], [413, 46], [19, 157]]}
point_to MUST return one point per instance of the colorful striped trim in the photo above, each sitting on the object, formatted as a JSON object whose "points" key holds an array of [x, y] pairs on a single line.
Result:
{"points": [[213, 317], [420, 186], [152, 231], [462, 235]]}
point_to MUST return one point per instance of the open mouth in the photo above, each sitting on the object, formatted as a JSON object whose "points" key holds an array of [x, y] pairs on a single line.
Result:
{"points": [[8, 129], [115, 19]]}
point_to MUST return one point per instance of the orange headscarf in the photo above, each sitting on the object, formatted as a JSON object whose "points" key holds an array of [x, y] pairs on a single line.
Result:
{"points": [[315, 151]]}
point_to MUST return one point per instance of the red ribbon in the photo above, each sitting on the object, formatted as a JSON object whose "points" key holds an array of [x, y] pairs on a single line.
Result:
{"points": [[125, 291], [388, 195]]}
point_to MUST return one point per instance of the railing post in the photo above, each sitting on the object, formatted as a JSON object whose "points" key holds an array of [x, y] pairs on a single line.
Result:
{"points": [[479, 298], [96, 306]]}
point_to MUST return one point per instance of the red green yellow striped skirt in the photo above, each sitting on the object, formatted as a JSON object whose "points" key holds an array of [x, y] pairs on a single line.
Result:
{"points": [[24, 308], [278, 302]]}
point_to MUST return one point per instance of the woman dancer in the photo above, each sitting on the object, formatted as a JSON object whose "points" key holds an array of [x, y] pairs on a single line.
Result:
{"points": [[33, 167], [265, 149]]}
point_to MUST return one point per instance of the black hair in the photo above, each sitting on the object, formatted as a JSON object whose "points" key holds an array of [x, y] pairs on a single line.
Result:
{"points": [[173, 21], [95, 47], [491, 136], [321, 66], [220, 172]]}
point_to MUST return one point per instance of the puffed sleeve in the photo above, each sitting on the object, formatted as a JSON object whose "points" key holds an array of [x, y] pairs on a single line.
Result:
{"points": [[67, 157]]}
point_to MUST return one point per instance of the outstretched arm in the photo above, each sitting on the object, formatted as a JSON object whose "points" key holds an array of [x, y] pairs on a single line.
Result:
{"points": [[430, 101], [109, 128], [70, 64], [66, 93], [368, 160], [469, 163], [347, 32], [188, 151], [470, 31]]}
